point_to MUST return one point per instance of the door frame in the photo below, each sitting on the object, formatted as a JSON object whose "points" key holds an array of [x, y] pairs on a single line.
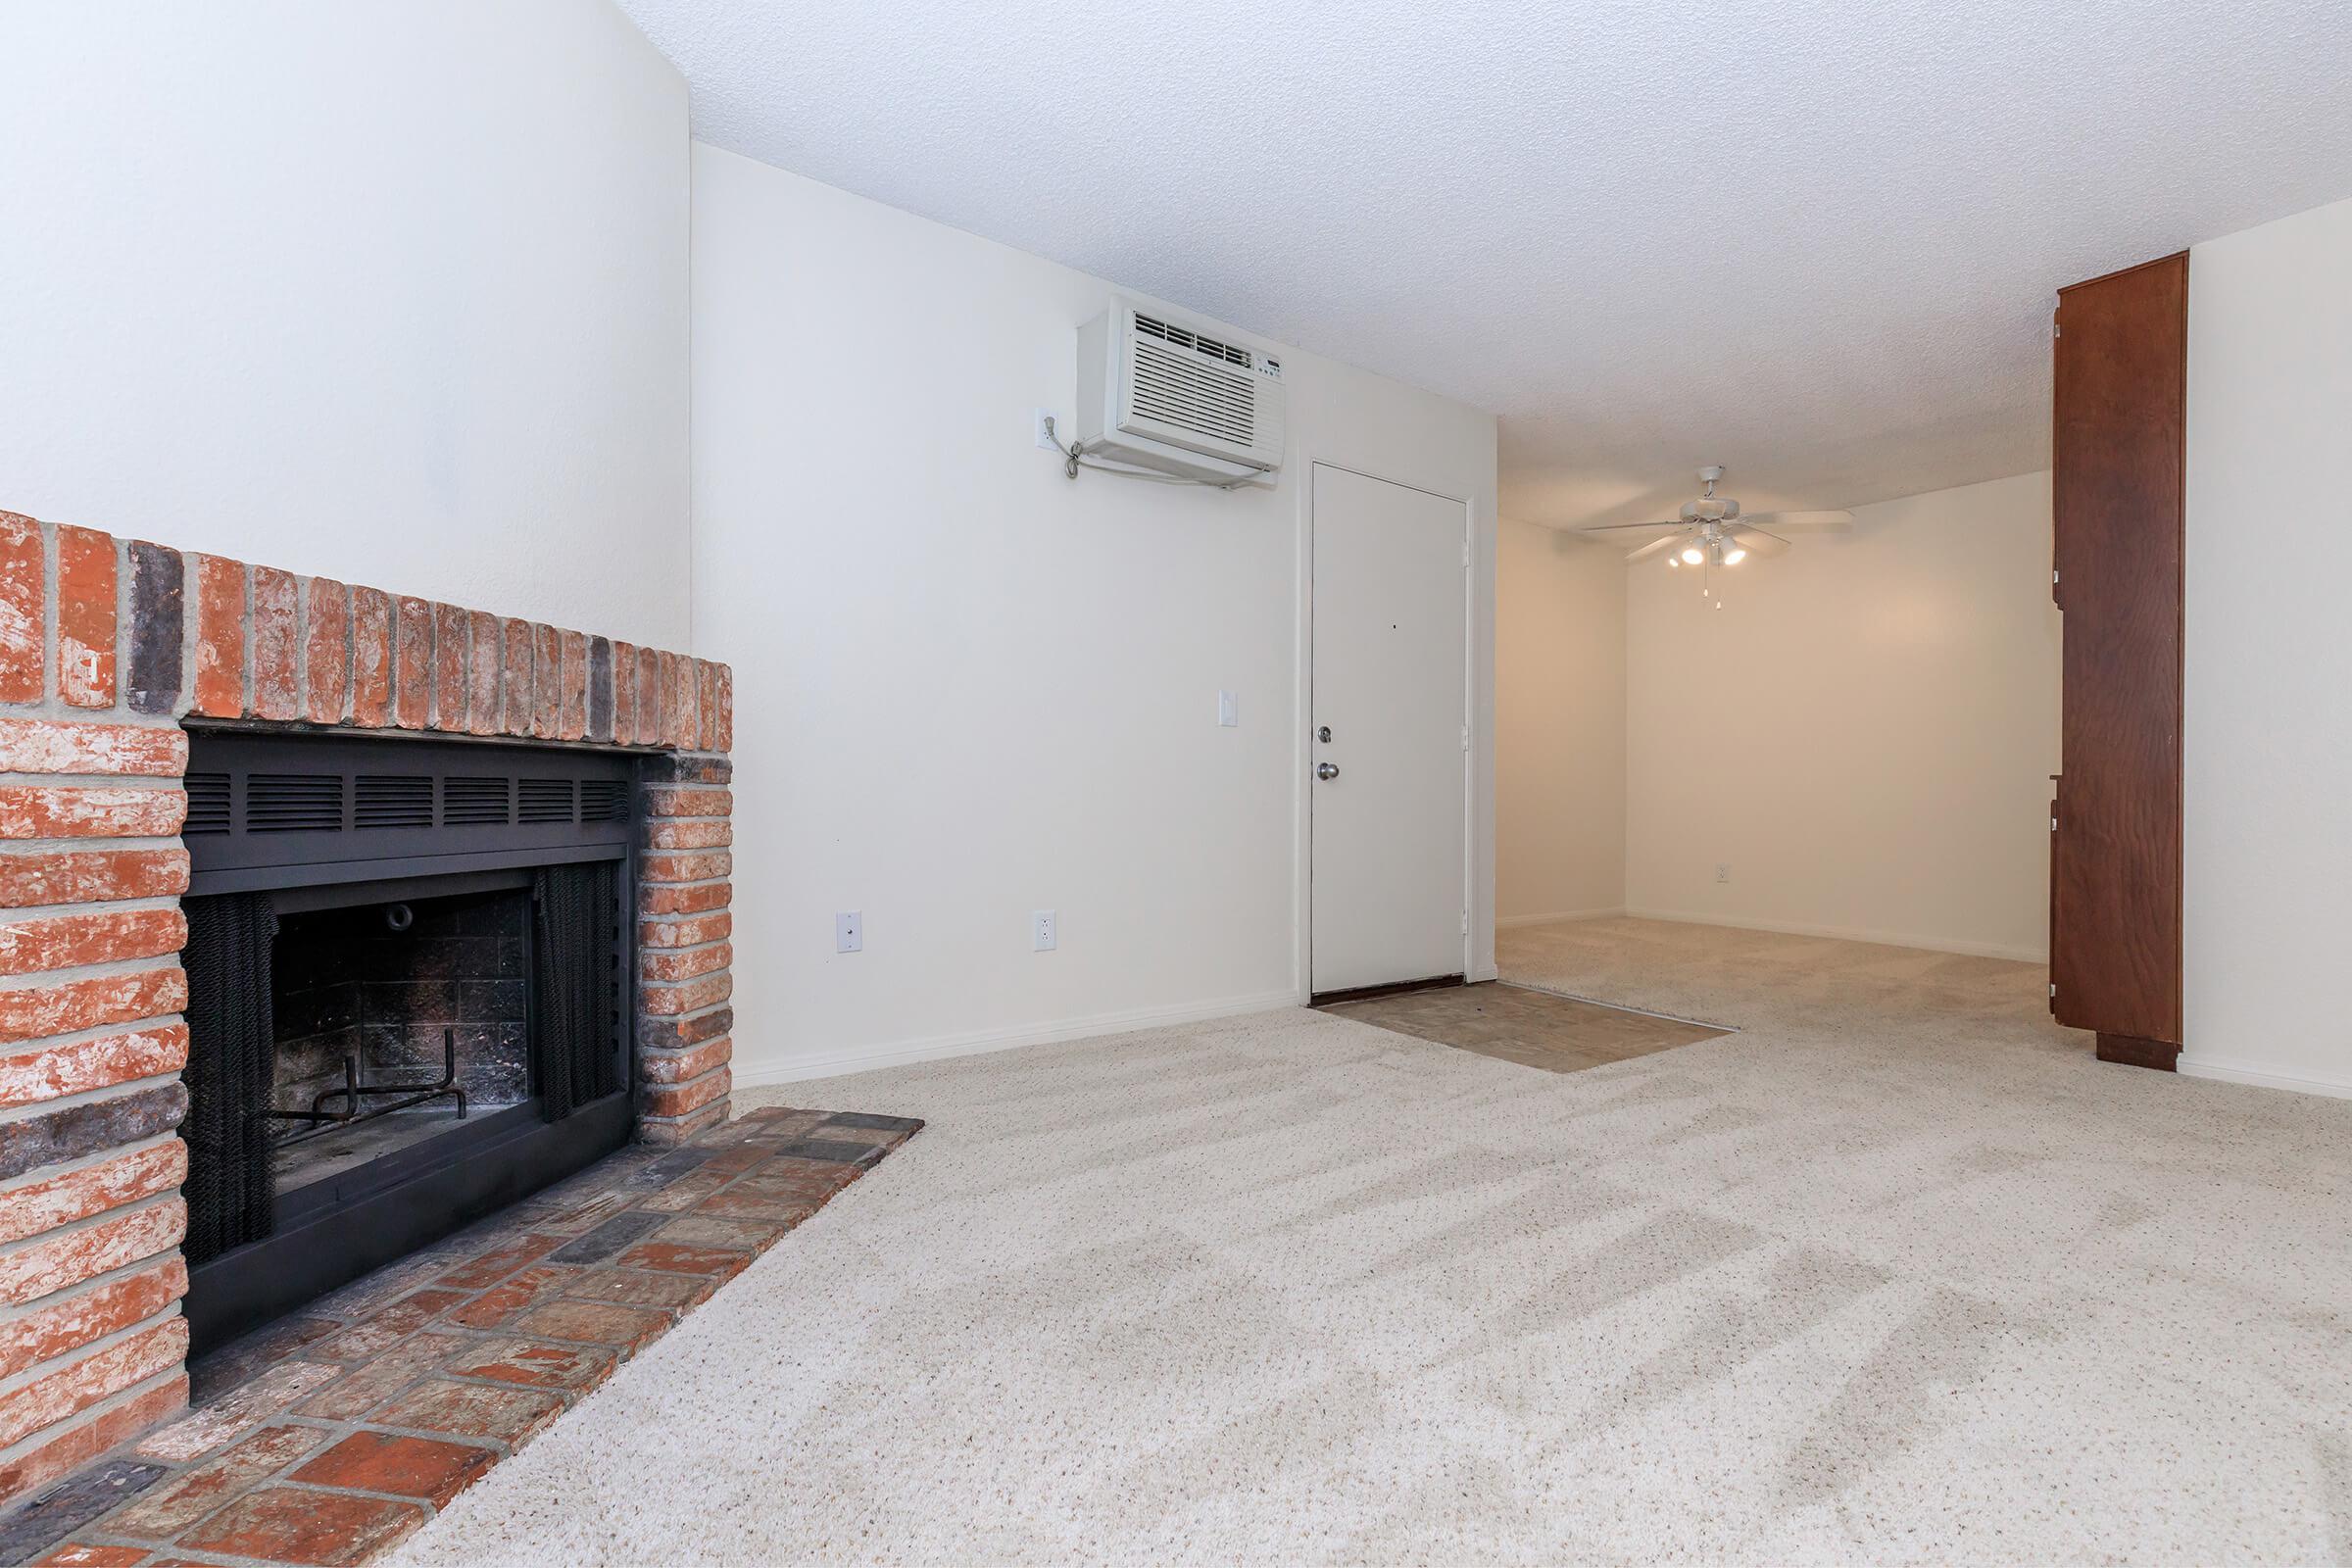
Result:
{"points": [[1302, 756]]}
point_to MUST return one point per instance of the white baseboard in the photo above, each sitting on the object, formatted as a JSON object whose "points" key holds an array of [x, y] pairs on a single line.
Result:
{"points": [[2238, 1072], [1008, 1038], [1505, 922], [1891, 939]]}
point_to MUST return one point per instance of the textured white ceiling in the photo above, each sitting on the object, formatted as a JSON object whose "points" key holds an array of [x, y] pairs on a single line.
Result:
{"points": [[1812, 239]]}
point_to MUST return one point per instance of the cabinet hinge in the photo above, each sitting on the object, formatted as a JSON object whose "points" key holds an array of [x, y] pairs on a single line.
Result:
{"points": [[1465, 552], [2054, 576], [1465, 737], [1465, 922], [2054, 990]]}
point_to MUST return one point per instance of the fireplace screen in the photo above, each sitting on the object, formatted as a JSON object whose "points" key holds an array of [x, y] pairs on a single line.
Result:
{"points": [[231, 1189]]}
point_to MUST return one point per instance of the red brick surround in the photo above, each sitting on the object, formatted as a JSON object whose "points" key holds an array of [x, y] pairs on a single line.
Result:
{"points": [[104, 645]]}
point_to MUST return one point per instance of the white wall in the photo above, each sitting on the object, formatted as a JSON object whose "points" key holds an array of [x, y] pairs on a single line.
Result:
{"points": [[2268, 729], [1560, 725], [386, 290], [967, 687], [1864, 735]]}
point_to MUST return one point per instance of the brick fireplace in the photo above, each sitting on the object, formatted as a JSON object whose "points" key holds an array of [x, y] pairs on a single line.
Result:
{"points": [[107, 650]]}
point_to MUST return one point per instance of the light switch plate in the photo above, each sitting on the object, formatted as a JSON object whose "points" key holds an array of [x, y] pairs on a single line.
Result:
{"points": [[1229, 709]]}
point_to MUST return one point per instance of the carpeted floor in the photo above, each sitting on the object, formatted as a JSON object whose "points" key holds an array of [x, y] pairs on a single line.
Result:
{"points": [[1896, 1274]]}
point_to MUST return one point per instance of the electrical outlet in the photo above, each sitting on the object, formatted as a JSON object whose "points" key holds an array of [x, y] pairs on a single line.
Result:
{"points": [[848, 932], [1051, 440], [1044, 931], [1723, 871]]}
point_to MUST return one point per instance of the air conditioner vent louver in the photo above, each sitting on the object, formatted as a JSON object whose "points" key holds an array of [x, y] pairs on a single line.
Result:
{"points": [[604, 800], [1192, 397], [546, 800], [1185, 337], [208, 804], [394, 800], [293, 802], [470, 802]]}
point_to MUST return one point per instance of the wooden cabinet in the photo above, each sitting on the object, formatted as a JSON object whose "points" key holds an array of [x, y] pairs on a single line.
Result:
{"points": [[2119, 425]]}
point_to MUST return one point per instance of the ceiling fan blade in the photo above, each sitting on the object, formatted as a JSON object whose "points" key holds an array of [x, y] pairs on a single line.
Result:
{"points": [[1652, 548], [1617, 527], [1756, 542], [1803, 521]]}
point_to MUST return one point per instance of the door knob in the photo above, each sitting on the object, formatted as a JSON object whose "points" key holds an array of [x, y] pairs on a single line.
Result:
{"points": [[1327, 770]]}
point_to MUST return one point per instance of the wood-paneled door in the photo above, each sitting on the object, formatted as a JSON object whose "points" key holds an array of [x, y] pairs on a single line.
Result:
{"points": [[2119, 432]]}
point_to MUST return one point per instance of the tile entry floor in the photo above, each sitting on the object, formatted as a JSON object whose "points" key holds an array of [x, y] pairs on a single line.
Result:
{"points": [[1516, 1023], [331, 1434]]}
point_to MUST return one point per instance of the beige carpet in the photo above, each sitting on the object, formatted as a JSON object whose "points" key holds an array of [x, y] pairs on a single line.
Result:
{"points": [[1898, 1274]]}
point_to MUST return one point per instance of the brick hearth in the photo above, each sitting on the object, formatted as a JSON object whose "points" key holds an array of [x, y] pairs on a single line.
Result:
{"points": [[332, 1433], [106, 646]]}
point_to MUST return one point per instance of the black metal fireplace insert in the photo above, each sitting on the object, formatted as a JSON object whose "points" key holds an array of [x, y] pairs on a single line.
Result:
{"points": [[410, 974]]}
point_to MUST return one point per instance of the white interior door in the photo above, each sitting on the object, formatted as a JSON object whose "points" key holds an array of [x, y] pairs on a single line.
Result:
{"points": [[1391, 798]]}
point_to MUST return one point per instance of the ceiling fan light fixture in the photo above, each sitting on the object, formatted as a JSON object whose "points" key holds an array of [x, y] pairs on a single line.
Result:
{"points": [[1712, 530]]}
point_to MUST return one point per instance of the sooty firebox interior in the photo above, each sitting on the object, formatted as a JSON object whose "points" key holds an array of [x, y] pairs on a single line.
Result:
{"points": [[391, 1021], [409, 990]]}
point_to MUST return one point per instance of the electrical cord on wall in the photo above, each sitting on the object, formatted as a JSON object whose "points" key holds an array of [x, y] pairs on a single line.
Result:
{"points": [[1074, 457]]}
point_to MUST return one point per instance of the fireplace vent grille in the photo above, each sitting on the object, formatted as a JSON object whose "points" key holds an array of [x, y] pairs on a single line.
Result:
{"points": [[396, 799], [258, 801], [470, 802], [293, 802], [208, 804], [604, 800], [546, 800]]}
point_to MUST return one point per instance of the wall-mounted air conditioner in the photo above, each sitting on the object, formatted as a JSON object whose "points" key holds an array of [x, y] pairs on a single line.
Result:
{"points": [[1162, 394]]}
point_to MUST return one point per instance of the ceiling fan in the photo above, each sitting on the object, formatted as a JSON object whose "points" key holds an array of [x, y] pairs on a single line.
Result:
{"points": [[1712, 532]]}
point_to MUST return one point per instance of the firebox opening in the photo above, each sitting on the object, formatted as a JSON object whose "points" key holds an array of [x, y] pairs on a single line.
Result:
{"points": [[394, 1022]]}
